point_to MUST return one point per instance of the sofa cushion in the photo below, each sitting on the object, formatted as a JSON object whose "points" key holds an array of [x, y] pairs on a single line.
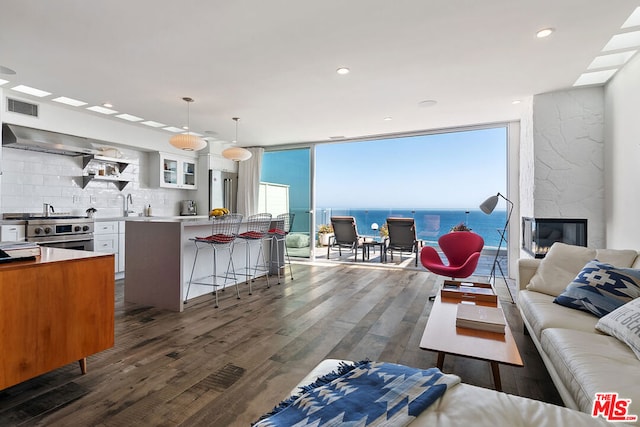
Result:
{"points": [[619, 257], [600, 288], [540, 313], [559, 267], [589, 363], [624, 324]]}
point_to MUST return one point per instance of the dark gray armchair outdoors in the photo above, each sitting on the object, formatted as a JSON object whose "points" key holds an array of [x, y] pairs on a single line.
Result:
{"points": [[345, 236], [402, 236]]}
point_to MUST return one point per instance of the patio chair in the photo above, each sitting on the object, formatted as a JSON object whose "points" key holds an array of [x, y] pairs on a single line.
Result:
{"points": [[402, 236], [462, 249], [345, 236]]}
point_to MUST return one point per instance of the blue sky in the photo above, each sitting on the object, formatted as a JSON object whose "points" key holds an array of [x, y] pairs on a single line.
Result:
{"points": [[457, 170]]}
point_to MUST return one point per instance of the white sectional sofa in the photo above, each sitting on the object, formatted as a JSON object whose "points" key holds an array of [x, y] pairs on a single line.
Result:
{"points": [[468, 405], [580, 359]]}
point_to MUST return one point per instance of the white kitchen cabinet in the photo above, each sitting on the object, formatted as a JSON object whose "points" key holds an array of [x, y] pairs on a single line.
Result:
{"points": [[12, 233], [171, 171], [106, 238]]}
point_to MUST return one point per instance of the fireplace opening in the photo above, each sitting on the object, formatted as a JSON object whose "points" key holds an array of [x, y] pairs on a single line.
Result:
{"points": [[538, 234]]}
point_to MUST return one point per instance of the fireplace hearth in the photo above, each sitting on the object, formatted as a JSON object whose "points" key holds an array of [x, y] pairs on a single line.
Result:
{"points": [[538, 234]]}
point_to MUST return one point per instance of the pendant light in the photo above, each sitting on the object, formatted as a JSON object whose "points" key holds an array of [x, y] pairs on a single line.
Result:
{"points": [[237, 154], [186, 141]]}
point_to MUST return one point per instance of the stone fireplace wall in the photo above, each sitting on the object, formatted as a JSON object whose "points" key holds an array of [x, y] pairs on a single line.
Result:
{"points": [[563, 173]]}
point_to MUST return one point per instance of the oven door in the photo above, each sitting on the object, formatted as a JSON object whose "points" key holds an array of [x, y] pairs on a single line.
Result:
{"points": [[84, 244]]}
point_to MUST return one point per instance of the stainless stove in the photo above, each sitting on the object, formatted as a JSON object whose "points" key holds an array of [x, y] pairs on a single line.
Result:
{"points": [[59, 231]]}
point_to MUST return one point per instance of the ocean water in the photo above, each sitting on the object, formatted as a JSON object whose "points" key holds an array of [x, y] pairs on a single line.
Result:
{"points": [[430, 223]]}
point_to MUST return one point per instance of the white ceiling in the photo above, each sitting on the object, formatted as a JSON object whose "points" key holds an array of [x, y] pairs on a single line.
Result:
{"points": [[272, 63]]}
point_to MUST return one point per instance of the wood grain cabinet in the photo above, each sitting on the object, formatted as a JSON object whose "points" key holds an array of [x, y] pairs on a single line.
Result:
{"points": [[54, 311]]}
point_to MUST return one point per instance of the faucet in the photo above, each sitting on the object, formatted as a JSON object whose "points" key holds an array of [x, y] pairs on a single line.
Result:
{"points": [[46, 208], [127, 200]]}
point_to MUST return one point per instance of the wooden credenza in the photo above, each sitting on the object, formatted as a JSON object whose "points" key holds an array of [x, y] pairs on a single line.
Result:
{"points": [[54, 311]]}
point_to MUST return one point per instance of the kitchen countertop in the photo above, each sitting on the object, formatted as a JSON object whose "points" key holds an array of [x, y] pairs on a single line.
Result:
{"points": [[12, 222], [123, 218], [152, 218]]}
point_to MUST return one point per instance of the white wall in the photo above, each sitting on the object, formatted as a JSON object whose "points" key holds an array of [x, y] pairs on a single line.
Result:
{"points": [[622, 154]]}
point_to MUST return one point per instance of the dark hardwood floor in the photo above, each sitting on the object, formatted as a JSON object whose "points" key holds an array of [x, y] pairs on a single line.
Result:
{"points": [[227, 366]]}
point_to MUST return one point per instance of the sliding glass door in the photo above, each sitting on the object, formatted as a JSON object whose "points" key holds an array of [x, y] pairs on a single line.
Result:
{"points": [[286, 174]]}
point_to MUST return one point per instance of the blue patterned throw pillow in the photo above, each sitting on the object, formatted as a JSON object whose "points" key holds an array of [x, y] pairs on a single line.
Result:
{"points": [[600, 288]]}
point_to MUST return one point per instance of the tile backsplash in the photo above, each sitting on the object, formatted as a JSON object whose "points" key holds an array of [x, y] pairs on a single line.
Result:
{"points": [[30, 179]]}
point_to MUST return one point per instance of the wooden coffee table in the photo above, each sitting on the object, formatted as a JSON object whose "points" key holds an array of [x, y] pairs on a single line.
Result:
{"points": [[442, 335]]}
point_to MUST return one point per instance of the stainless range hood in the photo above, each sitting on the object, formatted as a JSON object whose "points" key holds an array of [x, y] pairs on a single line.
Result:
{"points": [[25, 138]]}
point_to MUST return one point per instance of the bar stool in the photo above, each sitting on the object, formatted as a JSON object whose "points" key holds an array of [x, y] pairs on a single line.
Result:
{"points": [[277, 234], [257, 229], [224, 231]]}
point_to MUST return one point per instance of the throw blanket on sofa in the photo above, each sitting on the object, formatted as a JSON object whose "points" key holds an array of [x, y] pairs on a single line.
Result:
{"points": [[367, 394]]}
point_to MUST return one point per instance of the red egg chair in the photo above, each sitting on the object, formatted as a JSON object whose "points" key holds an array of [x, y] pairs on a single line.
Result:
{"points": [[462, 249]]}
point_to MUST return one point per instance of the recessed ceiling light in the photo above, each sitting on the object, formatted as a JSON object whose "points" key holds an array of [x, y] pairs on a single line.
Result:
{"points": [[129, 117], [69, 101], [633, 20], [343, 70], [6, 70], [611, 60], [101, 110], [595, 77], [388, 119], [516, 102], [623, 41], [3, 82], [153, 124], [337, 137], [31, 91], [173, 129], [545, 32], [427, 103], [107, 105]]}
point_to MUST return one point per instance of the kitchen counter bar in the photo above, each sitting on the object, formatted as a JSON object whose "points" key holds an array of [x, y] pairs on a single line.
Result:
{"points": [[159, 258]]}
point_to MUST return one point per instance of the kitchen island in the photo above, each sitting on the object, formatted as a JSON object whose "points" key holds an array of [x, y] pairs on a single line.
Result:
{"points": [[159, 258], [54, 310]]}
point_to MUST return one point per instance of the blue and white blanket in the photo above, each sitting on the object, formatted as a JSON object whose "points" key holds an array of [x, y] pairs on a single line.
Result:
{"points": [[363, 394]]}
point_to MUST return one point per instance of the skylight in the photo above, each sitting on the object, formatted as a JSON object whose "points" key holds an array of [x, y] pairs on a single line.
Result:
{"points": [[633, 20], [623, 41], [129, 117], [69, 101], [611, 60], [31, 91], [596, 77], [101, 110], [153, 124], [173, 129]]}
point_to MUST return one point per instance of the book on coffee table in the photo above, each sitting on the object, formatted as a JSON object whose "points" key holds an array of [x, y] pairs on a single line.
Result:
{"points": [[473, 291], [480, 317]]}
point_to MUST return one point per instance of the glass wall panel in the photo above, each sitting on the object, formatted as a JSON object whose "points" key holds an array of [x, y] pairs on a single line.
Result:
{"points": [[293, 169]]}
